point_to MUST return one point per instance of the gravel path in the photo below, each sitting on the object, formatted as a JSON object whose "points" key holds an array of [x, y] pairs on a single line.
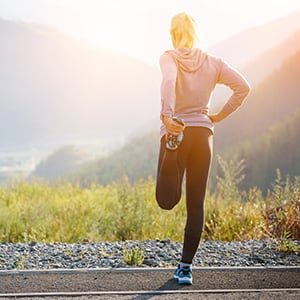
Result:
{"points": [[157, 253]]}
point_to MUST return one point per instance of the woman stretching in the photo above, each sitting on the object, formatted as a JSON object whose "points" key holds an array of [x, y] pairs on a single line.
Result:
{"points": [[189, 75]]}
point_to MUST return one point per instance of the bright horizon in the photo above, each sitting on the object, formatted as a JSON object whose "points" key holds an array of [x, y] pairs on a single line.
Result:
{"points": [[140, 28]]}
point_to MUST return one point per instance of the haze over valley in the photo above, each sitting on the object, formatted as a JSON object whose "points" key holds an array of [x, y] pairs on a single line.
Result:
{"points": [[58, 91]]}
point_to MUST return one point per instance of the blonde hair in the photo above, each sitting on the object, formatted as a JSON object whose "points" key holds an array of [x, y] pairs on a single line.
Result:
{"points": [[183, 31]]}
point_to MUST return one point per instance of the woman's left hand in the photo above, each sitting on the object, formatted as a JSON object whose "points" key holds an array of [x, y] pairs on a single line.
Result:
{"points": [[172, 126]]}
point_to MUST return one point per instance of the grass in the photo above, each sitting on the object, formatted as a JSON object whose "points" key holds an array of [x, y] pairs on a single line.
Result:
{"points": [[68, 213], [286, 244], [133, 256]]}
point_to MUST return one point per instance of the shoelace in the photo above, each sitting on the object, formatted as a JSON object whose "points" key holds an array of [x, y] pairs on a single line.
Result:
{"points": [[185, 271]]}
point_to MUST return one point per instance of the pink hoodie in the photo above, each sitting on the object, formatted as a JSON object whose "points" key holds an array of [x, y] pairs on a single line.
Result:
{"points": [[188, 79]]}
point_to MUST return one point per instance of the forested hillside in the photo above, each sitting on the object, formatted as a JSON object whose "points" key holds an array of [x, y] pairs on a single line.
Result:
{"points": [[265, 132], [272, 101], [60, 164], [264, 64], [58, 89], [136, 159], [277, 148]]}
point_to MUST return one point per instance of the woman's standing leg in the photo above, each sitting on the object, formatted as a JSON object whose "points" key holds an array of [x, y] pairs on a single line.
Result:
{"points": [[197, 170]]}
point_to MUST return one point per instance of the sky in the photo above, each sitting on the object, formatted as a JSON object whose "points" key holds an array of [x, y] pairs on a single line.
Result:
{"points": [[140, 28]]}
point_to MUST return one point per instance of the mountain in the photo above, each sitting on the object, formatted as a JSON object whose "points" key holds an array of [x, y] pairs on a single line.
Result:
{"points": [[264, 132], [278, 147], [264, 64], [56, 88], [136, 159], [257, 52], [274, 99], [60, 164], [243, 47]]}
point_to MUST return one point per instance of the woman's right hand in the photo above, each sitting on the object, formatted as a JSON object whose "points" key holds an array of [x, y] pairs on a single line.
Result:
{"points": [[213, 118], [172, 126]]}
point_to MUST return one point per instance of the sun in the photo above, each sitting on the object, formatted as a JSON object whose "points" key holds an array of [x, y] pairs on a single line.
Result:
{"points": [[107, 24]]}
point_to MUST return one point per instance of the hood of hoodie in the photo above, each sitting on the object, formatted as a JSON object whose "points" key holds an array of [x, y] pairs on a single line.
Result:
{"points": [[189, 60]]}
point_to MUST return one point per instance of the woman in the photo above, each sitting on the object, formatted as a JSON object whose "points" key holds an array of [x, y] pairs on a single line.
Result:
{"points": [[189, 76]]}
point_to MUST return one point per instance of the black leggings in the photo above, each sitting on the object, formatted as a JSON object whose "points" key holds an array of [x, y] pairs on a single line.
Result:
{"points": [[193, 156]]}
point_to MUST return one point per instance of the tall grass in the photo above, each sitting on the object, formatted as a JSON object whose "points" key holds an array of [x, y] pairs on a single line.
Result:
{"points": [[68, 213]]}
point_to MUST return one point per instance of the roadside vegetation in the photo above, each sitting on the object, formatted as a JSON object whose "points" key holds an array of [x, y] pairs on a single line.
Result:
{"points": [[66, 212]]}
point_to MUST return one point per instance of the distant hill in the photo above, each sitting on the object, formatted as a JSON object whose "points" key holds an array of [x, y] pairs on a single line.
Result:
{"points": [[60, 164], [136, 159], [278, 147], [243, 47], [56, 88], [272, 59], [257, 52], [273, 100], [250, 134]]}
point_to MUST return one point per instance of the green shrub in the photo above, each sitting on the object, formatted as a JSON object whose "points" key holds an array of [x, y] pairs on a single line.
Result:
{"points": [[68, 213], [133, 256], [282, 208]]}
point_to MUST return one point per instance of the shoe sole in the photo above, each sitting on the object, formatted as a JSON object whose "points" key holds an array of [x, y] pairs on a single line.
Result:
{"points": [[184, 280]]}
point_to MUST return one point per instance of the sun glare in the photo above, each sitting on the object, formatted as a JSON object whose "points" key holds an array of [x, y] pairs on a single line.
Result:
{"points": [[107, 24], [140, 28]]}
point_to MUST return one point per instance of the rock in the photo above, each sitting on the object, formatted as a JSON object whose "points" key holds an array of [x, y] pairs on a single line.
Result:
{"points": [[156, 252]]}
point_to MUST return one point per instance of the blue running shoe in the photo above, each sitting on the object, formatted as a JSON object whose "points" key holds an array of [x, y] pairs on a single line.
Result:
{"points": [[183, 275]]}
